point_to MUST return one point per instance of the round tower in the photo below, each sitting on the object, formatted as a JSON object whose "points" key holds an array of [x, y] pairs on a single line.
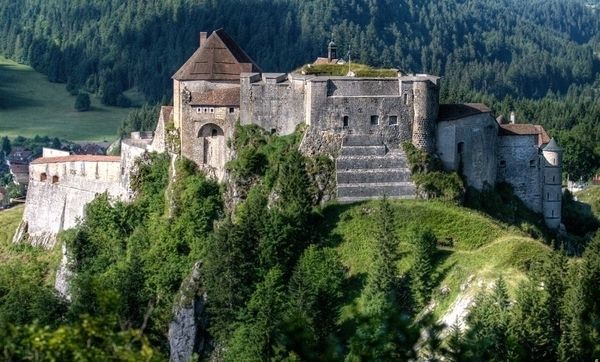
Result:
{"points": [[552, 184], [425, 106]]}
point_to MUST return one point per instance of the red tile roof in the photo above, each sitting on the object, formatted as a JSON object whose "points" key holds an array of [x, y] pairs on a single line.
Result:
{"points": [[219, 97], [450, 112], [525, 129], [219, 58], [76, 158]]}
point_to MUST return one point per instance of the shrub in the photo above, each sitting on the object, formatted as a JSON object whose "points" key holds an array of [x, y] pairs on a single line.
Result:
{"points": [[82, 102]]}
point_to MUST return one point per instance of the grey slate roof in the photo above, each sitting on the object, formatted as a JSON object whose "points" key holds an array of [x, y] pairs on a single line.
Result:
{"points": [[552, 146]]}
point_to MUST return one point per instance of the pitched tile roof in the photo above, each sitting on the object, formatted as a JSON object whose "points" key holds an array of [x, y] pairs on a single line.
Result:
{"points": [[76, 158], [224, 97], [219, 58], [525, 129], [451, 112]]}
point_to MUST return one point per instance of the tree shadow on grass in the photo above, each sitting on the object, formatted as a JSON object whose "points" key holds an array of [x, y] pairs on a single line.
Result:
{"points": [[440, 273], [332, 214], [10, 101]]}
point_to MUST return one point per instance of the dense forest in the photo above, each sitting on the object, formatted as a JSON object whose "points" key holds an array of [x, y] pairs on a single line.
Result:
{"points": [[540, 58]]}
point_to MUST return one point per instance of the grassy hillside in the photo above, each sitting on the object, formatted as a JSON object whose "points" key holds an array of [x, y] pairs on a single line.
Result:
{"points": [[31, 105], [482, 249], [591, 196], [9, 220], [22, 263]]}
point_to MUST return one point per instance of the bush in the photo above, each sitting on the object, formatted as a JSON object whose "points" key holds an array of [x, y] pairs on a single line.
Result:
{"points": [[429, 177], [82, 102]]}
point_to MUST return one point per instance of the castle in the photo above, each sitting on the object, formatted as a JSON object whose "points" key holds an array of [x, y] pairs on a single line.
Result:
{"points": [[359, 122]]}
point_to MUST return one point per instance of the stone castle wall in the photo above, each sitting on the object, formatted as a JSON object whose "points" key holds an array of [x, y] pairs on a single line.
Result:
{"points": [[59, 191], [520, 164], [470, 145], [273, 102]]}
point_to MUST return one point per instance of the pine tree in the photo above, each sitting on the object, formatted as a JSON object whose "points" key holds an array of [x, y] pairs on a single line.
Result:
{"points": [[487, 336], [258, 336], [6, 146], [82, 102], [384, 275], [531, 324], [571, 347], [229, 275], [420, 274]]}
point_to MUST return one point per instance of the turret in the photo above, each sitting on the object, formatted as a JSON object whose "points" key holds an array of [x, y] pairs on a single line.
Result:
{"points": [[552, 187], [331, 51], [426, 104]]}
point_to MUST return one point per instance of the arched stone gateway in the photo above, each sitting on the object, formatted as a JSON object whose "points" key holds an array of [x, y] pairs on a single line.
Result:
{"points": [[212, 139]]}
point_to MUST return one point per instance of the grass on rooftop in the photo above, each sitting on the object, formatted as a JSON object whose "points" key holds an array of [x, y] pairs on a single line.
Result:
{"points": [[360, 70]]}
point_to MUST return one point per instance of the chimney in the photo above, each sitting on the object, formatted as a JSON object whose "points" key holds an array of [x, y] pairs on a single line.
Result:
{"points": [[513, 118], [202, 38]]}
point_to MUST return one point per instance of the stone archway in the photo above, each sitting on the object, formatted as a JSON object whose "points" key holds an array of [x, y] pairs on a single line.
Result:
{"points": [[212, 140]]}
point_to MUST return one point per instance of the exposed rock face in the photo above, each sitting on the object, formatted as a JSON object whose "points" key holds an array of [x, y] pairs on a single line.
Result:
{"points": [[187, 329], [63, 275]]}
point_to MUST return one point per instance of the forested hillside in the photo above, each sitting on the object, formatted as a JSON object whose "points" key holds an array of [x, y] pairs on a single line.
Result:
{"points": [[526, 54], [501, 47]]}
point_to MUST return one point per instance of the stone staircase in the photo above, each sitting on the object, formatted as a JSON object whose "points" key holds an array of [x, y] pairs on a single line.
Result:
{"points": [[367, 170]]}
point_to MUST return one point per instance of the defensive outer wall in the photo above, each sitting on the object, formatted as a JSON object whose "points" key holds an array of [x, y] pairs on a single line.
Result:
{"points": [[61, 185]]}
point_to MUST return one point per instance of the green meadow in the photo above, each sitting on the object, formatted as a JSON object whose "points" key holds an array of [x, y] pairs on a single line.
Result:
{"points": [[31, 105], [479, 248]]}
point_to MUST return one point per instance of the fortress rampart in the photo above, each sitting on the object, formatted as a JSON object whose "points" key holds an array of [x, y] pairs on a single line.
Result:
{"points": [[59, 189]]}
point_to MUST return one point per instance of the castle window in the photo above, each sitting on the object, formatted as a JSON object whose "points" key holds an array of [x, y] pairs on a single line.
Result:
{"points": [[205, 110], [212, 110], [231, 109], [54, 179], [531, 163], [43, 177], [460, 148], [547, 196], [198, 110], [503, 164], [552, 213], [393, 120], [405, 98], [374, 120], [345, 122]]}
